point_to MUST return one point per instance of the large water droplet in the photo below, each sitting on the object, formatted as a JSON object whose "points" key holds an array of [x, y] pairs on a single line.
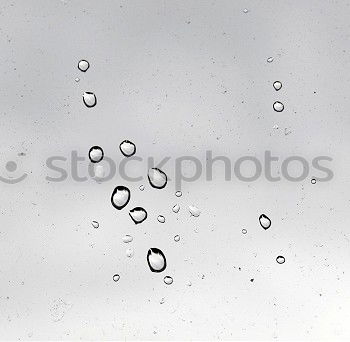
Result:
{"points": [[89, 99], [157, 178], [178, 193], [138, 215], [161, 218], [127, 148], [278, 106], [116, 277], [264, 221], [280, 259], [120, 197], [270, 60], [83, 65], [176, 208], [168, 280], [129, 252], [194, 211], [127, 238], [156, 260], [96, 154], [95, 224], [277, 85], [177, 238]]}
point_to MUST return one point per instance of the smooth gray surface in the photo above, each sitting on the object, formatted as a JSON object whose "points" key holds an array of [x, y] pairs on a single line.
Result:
{"points": [[176, 78]]}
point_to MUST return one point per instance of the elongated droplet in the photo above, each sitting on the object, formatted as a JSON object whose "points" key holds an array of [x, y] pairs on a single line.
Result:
{"points": [[142, 187], [178, 193], [177, 238], [168, 280], [83, 65], [116, 277], [157, 178], [161, 218], [277, 85], [194, 211], [264, 221], [127, 238], [96, 154], [127, 148], [176, 208], [129, 252], [120, 197], [89, 99], [278, 106], [270, 60], [280, 259], [95, 224], [156, 260], [138, 215]]}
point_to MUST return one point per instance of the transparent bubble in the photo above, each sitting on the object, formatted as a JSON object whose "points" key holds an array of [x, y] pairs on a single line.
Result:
{"points": [[129, 253], [178, 193], [280, 259], [264, 221], [116, 277], [177, 238], [83, 65], [120, 197], [127, 238], [96, 154], [168, 280], [127, 148], [161, 218], [278, 106], [95, 224], [138, 215], [194, 211], [176, 208], [244, 231], [142, 187], [270, 60], [277, 85], [156, 260], [157, 178], [89, 99], [313, 181]]}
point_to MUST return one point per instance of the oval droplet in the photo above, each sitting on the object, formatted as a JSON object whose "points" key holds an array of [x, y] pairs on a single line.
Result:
{"points": [[176, 208], [313, 181], [264, 221], [278, 106], [177, 238], [127, 238], [168, 280], [280, 259], [116, 277], [178, 193], [277, 85], [96, 154], [138, 215], [95, 224], [83, 65], [127, 148], [270, 60], [89, 99], [120, 197], [194, 211], [129, 252], [161, 218], [142, 187], [157, 178], [156, 260]]}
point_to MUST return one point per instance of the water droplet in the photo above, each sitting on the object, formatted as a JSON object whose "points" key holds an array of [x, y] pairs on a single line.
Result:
{"points": [[142, 187], [157, 178], [95, 224], [264, 221], [83, 65], [96, 154], [194, 211], [77, 79], [156, 260], [244, 231], [270, 60], [89, 99], [161, 219], [168, 280], [313, 181], [177, 238], [120, 197], [129, 253], [189, 283], [127, 238], [176, 208], [277, 85], [178, 193], [116, 277], [162, 301], [280, 259], [275, 127], [127, 148], [245, 10], [138, 215], [278, 106]]}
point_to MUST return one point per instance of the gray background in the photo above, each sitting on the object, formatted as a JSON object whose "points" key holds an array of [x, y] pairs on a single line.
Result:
{"points": [[177, 78]]}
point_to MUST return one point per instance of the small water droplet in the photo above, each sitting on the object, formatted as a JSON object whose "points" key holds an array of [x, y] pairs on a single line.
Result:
{"points": [[142, 187], [156, 260], [157, 178], [120, 197], [194, 211], [127, 148], [270, 60], [96, 154], [177, 238], [313, 181], [77, 79], [162, 301], [89, 99], [245, 10], [278, 106], [127, 238], [95, 224], [275, 127], [178, 193], [277, 85], [264, 221], [176, 208], [138, 215], [83, 65], [116, 277], [189, 283], [280, 259], [244, 231], [129, 253], [168, 280], [161, 218]]}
